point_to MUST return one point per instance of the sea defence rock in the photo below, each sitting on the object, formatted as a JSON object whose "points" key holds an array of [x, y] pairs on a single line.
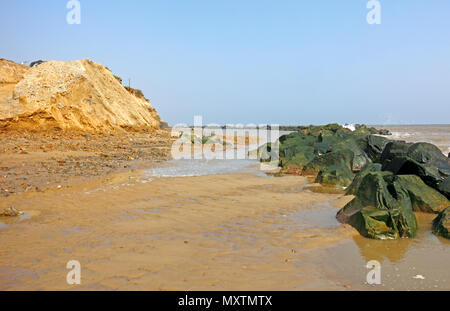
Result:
{"points": [[372, 167], [423, 198], [393, 151], [335, 158], [444, 187], [381, 209], [422, 159], [360, 158], [375, 146], [337, 175], [441, 225], [394, 179], [80, 95]]}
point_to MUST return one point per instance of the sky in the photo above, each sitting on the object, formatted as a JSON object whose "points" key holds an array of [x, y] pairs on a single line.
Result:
{"points": [[254, 62]]}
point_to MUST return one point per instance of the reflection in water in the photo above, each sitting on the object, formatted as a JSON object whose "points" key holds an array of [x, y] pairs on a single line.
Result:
{"points": [[5, 221], [393, 251], [396, 250]]}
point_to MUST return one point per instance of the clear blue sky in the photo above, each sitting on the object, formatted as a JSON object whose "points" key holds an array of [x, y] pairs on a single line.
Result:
{"points": [[242, 61]]}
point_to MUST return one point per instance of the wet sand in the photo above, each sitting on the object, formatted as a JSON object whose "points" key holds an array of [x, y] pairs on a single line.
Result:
{"points": [[216, 232]]}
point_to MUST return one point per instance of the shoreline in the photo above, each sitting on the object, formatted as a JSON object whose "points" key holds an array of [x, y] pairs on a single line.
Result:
{"points": [[233, 231]]}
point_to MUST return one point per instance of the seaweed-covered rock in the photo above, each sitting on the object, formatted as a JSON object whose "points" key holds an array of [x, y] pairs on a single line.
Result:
{"points": [[335, 158], [375, 146], [393, 150], [423, 198], [426, 153], [444, 187], [360, 158], [294, 143], [300, 159], [430, 174], [338, 175], [372, 167], [321, 148], [441, 225], [422, 159], [381, 209]]}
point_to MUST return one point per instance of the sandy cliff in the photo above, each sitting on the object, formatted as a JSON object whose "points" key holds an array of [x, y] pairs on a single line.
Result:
{"points": [[80, 95]]}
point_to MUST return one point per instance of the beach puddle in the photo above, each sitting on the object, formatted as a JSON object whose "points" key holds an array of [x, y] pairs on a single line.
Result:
{"points": [[406, 264], [324, 218], [6, 221]]}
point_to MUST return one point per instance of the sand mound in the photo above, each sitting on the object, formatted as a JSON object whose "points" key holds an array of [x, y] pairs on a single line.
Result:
{"points": [[11, 72], [80, 95]]}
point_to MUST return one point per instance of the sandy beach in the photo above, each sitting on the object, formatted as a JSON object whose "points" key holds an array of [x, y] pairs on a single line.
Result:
{"points": [[238, 231]]}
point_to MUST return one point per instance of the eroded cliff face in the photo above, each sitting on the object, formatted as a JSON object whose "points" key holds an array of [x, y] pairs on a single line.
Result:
{"points": [[79, 95], [10, 74]]}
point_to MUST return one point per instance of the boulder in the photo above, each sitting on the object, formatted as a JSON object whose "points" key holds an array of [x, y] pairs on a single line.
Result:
{"points": [[429, 173], [335, 158], [381, 209], [441, 225], [294, 143], [375, 146], [338, 175], [321, 148], [11, 212], [372, 167], [422, 159], [300, 159], [444, 187], [423, 198], [360, 158], [393, 150], [426, 153]]}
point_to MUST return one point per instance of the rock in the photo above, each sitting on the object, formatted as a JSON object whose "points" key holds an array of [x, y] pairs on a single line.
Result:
{"points": [[11, 212], [338, 175], [441, 225], [321, 148], [294, 143], [300, 159], [423, 198], [335, 158], [381, 209], [393, 149], [422, 159], [375, 146], [36, 63], [360, 158], [444, 187], [426, 153], [372, 167], [429, 173]]}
